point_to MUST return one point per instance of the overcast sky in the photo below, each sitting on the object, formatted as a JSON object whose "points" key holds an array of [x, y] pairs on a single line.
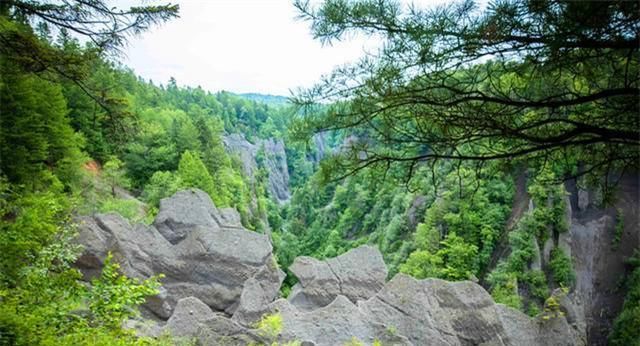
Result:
{"points": [[239, 46]]}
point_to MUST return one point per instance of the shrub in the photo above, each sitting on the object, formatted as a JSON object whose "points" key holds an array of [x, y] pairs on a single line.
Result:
{"points": [[626, 327], [114, 297], [270, 326], [561, 268], [130, 209]]}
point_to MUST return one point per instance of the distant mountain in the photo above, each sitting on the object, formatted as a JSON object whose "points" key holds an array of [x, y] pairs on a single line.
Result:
{"points": [[275, 100]]}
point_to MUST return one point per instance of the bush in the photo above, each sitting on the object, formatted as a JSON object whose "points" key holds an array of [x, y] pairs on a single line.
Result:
{"points": [[561, 268], [270, 326], [114, 297], [130, 209], [626, 327]]}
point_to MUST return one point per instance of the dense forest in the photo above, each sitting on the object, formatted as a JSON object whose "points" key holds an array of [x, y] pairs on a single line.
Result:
{"points": [[422, 152]]}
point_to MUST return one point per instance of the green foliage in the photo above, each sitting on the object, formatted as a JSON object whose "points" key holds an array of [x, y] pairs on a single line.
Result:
{"points": [[114, 297], [619, 229], [35, 134], [430, 93], [270, 326], [193, 173], [626, 327], [561, 268], [422, 264], [161, 185], [353, 342], [459, 256], [29, 222], [42, 297], [114, 173], [130, 209], [552, 308], [507, 291]]}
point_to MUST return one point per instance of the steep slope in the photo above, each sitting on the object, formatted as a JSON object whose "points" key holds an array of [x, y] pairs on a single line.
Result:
{"points": [[264, 153], [601, 239]]}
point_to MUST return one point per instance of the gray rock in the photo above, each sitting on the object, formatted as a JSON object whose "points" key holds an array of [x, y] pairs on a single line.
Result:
{"points": [[258, 292], [189, 317], [181, 212], [230, 217], [320, 146], [407, 311], [275, 162], [357, 274], [200, 253], [546, 251], [536, 261], [583, 199], [416, 211], [193, 319]]}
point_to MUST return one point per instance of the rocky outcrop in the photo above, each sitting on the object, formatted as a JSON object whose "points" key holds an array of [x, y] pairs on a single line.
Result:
{"points": [[202, 253], [598, 257], [405, 311], [358, 275], [422, 312], [271, 153], [194, 319], [221, 279]]}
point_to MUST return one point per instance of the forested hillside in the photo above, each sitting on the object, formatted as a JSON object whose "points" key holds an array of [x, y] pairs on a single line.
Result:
{"points": [[475, 146]]}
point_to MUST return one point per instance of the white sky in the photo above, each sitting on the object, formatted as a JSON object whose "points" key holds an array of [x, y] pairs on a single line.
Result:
{"points": [[239, 46]]}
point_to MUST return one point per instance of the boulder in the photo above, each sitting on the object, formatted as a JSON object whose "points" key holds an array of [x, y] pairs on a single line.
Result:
{"points": [[184, 210], [258, 292], [194, 319], [407, 311], [357, 274], [200, 253]]}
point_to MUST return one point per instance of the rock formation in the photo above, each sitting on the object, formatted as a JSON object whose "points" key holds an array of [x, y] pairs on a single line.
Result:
{"points": [[358, 275], [274, 161], [407, 311], [201, 252], [221, 278]]}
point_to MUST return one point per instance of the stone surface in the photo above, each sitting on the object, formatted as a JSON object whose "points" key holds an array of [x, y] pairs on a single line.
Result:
{"points": [[258, 292], [422, 312], [193, 319], [357, 274], [536, 261], [274, 161], [199, 253]]}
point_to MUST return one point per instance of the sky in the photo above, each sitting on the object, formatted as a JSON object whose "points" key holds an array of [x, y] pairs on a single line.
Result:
{"points": [[240, 46]]}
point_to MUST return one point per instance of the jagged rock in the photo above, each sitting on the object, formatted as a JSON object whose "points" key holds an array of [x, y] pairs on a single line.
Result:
{"points": [[199, 253], [230, 217], [416, 211], [536, 261], [320, 146], [180, 213], [422, 312], [546, 251], [194, 319], [189, 316], [257, 294], [564, 238], [335, 324], [275, 162], [357, 274]]}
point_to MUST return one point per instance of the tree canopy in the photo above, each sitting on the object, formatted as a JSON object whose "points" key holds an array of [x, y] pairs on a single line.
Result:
{"points": [[521, 79]]}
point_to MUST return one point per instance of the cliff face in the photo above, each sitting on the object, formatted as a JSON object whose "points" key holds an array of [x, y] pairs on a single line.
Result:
{"points": [[598, 248], [271, 153], [598, 257], [221, 278]]}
